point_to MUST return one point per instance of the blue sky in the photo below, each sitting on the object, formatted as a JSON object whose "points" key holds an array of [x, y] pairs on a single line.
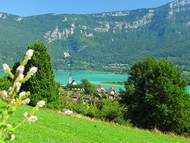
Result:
{"points": [[37, 7]]}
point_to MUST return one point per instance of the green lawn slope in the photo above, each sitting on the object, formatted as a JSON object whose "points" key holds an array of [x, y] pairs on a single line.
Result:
{"points": [[52, 127]]}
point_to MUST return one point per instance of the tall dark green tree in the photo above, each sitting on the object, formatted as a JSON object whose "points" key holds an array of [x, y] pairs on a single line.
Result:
{"points": [[156, 97], [4, 83], [42, 84]]}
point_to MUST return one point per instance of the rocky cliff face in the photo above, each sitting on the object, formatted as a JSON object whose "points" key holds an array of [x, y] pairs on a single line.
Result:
{"points": [[57, 34], [121, 21], [101, 25]]}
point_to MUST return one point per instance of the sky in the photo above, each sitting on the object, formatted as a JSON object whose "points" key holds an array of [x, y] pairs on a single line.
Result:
{"points": [[38, 7]]}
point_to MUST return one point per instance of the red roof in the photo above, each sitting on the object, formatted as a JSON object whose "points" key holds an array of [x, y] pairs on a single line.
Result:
{"points": [[76, 95], [86, 96], [99, 86]]}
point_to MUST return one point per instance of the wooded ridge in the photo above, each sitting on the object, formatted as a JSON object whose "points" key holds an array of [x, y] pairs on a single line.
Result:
{"points": [[108, 41]]}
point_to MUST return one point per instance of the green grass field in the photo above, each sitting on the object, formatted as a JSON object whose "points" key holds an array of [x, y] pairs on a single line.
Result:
{"points": [[58, 128]]}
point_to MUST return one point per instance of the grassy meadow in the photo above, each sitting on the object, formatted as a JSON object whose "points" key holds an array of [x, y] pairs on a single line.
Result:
{"points": [[53, 127]]}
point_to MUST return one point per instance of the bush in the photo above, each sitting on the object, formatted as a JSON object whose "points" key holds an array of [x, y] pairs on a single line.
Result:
{"points": [[92, 111], [111, 111]]}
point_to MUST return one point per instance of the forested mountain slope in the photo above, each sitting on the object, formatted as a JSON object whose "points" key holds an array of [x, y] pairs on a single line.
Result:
{"points": [[101, 41]]}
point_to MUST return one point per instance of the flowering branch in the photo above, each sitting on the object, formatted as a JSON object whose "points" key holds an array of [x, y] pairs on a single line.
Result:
{"points": [[13, 98]]}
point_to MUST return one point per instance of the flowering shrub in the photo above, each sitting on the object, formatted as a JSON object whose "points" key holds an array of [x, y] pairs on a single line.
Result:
{"points": [[13, 98]]}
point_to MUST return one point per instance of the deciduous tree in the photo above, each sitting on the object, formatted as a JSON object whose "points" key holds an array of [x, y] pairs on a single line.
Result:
{"points": [[156, 97], [88, 87]]}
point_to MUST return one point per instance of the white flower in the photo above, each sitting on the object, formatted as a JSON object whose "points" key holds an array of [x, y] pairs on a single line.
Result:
{"points": [[26, 101], [12, 137], [30, 53], [17, 86], [41, 103], [22, 94], [12, 101], [20, 70], [20, 76], [10, 88], [32, 119], [25, 114], [4, 94], [33, 70], [6, 67]]}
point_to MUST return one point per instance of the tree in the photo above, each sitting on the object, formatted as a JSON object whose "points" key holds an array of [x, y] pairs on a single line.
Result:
{"points": [[111, 111], [42, 84], [88, 87], [156, 97], [4, 83], [92, 111]]}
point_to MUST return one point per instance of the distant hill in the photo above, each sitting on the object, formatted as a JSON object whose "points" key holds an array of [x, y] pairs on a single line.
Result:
{"points": [[106, 41]]}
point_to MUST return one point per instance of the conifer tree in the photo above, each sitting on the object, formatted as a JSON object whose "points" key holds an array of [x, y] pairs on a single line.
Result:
{"points": [[42, 84]]}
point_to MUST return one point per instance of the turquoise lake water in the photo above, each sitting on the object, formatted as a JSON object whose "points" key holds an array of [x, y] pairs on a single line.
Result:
{"points": [[94, 77], [188, 89]]}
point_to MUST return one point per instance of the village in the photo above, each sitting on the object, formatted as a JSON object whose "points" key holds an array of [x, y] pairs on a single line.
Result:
{"points": [[87, 91]]}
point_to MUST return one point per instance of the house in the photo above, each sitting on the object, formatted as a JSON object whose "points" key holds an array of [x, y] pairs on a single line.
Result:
{"points": [[98, 96], [63, 86], [77, 89], [99, 88], [116, 94], [75, 96], [87, 97], [74, 82], [111, 93]]}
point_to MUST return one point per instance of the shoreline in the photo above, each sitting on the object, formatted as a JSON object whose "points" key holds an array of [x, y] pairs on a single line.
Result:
{"points": [[91, 71]]}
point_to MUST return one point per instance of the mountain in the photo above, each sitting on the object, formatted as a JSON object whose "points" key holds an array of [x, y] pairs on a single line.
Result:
{"points": [[106, 41]]}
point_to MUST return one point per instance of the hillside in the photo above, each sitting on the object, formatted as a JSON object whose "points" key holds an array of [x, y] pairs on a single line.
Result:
{"points": [[55, 128], [106, 41]]}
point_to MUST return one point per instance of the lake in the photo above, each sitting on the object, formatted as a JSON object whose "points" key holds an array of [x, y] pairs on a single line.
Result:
{"points": [[93, 77], [188, 89]]}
